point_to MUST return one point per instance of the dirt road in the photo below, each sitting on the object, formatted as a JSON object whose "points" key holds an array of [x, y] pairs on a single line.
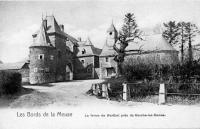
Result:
{"points": [[60, 94]]}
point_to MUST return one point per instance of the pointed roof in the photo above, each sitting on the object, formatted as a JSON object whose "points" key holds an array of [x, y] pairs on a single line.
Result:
{"points": [[53, 27], [88, 48], [112, 28], [88, 41], [42, 38]]}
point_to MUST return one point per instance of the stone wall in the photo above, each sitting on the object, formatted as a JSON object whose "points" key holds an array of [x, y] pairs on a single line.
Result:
{"points": [[84, 70], [42, 70], [61, 58], [25, 75], [106, 64]]}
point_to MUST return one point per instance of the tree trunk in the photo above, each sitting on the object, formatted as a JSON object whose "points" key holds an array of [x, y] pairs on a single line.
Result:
{"points": [[119, 69], [182, 53], [190, 57], [182, 47], [190, 50]]}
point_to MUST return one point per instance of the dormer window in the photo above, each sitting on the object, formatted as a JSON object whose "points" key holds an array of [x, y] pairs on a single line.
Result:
{"points": [[83, 61], [83, 51]]}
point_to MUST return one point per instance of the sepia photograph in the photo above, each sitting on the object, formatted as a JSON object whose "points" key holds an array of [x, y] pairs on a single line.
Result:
{"points": [[99, 64]]}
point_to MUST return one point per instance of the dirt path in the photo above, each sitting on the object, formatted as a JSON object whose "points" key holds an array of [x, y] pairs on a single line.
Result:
{"points": [[64, 94], [59, 95]]}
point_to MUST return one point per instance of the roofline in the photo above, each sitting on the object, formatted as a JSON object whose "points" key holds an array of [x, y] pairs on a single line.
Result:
{"points": [[106, 55], [43, 46], [86, 55]]}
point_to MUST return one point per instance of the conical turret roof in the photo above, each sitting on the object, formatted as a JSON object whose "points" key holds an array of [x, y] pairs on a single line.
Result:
{"points": [[42, 38], [112, 28]]}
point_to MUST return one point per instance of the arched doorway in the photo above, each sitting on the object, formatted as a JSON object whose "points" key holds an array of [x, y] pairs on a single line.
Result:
{"points": [[69, 71]]}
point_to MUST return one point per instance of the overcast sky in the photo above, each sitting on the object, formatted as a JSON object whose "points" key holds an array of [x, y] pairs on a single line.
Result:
{"points": [[83, 18]]}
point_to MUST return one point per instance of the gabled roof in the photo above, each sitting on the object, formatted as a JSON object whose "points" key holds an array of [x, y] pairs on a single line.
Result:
{"points": [[151, 43], [42, 38], [13, 66], [88, 42], [85, 43], [88, 47]]}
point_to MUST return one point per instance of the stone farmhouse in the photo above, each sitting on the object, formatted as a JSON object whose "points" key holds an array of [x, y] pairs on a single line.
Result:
{"points": [[57, 56], [152, 49], [86, 62]]}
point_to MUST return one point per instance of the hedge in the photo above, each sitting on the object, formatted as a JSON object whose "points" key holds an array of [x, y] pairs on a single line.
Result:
{"points": [[10, 82]]}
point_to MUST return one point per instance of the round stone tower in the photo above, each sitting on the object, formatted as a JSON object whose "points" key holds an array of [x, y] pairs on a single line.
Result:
{"points": [[42, 58]]}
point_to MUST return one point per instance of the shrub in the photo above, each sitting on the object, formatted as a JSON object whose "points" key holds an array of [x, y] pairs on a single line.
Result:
{"points": [[10, 82], [186, 72]]}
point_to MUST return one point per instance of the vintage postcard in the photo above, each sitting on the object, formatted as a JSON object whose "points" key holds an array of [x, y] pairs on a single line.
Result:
{"points": [[99, 64]]}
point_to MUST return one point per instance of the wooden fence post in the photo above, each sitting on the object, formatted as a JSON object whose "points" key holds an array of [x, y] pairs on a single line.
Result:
{"points": [[162, 94], [94, 92], [126, 92], [105, 91]]}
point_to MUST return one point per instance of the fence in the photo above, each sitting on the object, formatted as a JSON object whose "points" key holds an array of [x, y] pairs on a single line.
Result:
{"points": [[131, 90]]}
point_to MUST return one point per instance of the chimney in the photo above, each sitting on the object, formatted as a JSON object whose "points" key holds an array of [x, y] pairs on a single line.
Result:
{"points": [[62, 27], [45, 23], [79, 39]]}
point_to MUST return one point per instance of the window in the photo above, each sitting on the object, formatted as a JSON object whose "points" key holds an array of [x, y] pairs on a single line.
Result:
{"points": [[35, 70], [89, 69], [83, 51], [106, 59], [41, 56], [82, 61], [51, 57], [110, 33]]}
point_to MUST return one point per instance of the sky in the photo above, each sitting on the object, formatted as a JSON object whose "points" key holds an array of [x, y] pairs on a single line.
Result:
{"points": [[86, 18]]}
